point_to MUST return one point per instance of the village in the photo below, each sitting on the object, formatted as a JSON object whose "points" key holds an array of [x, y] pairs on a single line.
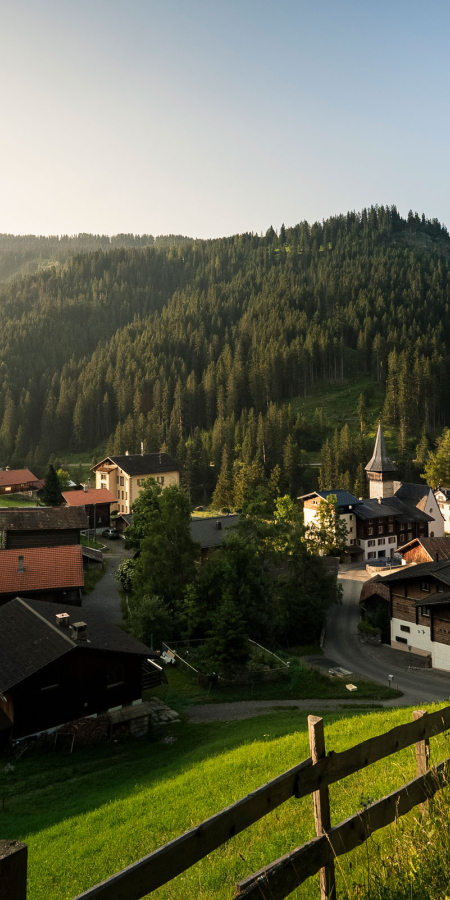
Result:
{"points": [[65, 657]]}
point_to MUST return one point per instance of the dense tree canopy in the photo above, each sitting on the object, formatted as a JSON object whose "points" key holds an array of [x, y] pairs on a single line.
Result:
{"points": [[198, 346]]}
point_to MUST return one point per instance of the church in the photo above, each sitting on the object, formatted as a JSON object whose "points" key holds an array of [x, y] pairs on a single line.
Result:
{"points": [[395, 512]]}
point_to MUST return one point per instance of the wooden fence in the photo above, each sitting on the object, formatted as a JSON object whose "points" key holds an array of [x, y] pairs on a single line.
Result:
{"points": [[312, 776]]}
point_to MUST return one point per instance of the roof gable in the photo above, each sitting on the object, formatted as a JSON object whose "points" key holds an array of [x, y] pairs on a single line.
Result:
{"points": [[27, 643]]}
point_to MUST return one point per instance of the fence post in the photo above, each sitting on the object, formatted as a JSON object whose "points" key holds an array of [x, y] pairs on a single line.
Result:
{"points": [[13, 870], [321, 800], [422, 754]]}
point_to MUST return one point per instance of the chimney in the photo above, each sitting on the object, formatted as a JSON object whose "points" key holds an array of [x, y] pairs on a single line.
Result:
{"points": [[127, 452], [85, 488], [8, 469], [142, 448], [379, 500], [20, 566], [62, 620], [79, 631]]}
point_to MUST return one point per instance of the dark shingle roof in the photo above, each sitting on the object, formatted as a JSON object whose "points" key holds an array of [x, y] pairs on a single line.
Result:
{"points": [[435, 599], [413, 493], [391, 506], [147, 464], [206, 532], [101, 635], [47, 518], [344, 498], [372, 587], [27, 643], [380, 461], [439, 570], [30, 639]]}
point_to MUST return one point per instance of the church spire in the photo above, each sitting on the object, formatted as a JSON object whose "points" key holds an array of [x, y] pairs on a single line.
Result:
{"points": [[380, 461], [380, 470]]}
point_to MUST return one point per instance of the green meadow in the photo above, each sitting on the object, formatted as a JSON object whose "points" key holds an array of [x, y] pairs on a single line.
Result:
{"points": [[87, 815]]}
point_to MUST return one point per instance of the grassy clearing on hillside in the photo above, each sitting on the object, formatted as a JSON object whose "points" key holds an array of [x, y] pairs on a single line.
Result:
{"points": [[300, 684], [88, 815], [340, 401]]}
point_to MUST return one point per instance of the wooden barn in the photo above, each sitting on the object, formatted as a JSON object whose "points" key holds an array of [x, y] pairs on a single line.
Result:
{"points": [[96, 502], [41, 527], [18, 481], [58, 664]]}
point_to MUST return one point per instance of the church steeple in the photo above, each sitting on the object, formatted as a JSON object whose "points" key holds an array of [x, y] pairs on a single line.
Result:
{"points": [[380, 470]]}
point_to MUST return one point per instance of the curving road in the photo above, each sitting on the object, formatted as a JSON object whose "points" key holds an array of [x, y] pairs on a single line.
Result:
{"points": [[343, 645]]}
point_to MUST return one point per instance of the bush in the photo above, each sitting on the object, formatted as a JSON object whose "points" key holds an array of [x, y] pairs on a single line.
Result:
{"points": [[366, 628]]}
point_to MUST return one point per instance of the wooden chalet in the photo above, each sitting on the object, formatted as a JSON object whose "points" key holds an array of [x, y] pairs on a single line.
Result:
{"points": [[58, 664], [425, 549], [41, 527], [96, 502], [417, 598], [18, 481], [53, 574]]}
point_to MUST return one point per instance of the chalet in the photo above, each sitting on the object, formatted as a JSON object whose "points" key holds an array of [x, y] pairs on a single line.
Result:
{"points": [[123, 475], [395, 512], [418, 600], [210, 531], [425, 550], [41, 527], [55, 668], [96, 504], [18, 481], [54, 574]]}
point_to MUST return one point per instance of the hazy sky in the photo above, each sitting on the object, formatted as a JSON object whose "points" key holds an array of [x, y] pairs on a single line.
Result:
{"points": [[209, 117]]}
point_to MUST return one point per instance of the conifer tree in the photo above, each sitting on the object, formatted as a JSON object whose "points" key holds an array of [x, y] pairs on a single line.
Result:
{"points": [[223, 494], [51, 493]]}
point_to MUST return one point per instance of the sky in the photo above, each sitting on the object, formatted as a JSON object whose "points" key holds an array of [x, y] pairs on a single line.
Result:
{"points": [[212, 117]]}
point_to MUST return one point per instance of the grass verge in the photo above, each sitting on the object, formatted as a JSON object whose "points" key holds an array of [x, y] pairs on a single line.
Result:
{"points": [[92, 577]]}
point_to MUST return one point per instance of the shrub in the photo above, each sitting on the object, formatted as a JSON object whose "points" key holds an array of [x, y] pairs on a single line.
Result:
{"points": [[365, 627]]}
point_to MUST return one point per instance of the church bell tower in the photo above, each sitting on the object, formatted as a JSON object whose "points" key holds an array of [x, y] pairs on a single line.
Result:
{"points": [[380, 470]]}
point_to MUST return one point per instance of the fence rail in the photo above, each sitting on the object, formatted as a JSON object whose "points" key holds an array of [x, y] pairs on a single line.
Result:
{"points": [[311, 776]]}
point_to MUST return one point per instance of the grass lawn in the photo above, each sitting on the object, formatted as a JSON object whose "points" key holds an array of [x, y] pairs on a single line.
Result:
{"points": [[15, 501], [87, 815], [339, 402], [94, 545], [301, 684], [92, 577]]}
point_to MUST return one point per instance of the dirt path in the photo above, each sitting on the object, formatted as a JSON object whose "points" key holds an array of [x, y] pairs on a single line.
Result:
{"points": [[247, 709]]}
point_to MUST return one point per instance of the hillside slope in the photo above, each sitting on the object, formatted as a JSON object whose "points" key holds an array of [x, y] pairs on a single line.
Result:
{"points": [[201, 346], [90, 814]]}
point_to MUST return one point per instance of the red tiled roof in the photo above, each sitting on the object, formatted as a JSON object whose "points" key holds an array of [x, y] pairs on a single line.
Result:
{"points": [[44, 568], [87, 498], [16, 476]]}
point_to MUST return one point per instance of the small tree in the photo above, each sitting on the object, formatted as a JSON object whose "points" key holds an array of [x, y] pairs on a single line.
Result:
{"points": [[227, 647], [64, 479], [124, 574], [51, 494], [150, 621], [328, 536]]}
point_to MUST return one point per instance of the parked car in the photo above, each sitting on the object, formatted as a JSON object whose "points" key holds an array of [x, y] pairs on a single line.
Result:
{"points": [[111, 533]]}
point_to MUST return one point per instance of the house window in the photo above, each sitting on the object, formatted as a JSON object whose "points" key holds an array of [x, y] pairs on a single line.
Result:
{"points": [[391, 528], [381, 553], [351, 518], [139, 482], [102, 477], [126, 496], [424, 585], [381, 541], [401, 640], [409, 526], [117, 477], [405, 628], [402, 538], [426, 611], [392, 540], [123, 508], [370, 521], [121, 480], [350, 530], [352, 541], [380, 529], [371, 555], [440, 588], [370, 531], [160, 479], [371, 543], [410, 536]]}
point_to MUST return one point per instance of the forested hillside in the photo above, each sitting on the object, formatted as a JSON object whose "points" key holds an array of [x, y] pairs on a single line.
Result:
{"points": [[200, 345]]}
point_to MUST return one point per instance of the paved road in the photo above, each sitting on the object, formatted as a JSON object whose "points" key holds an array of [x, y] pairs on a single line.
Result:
{"points": [[342, 644], [105, 599], [247, 709]]}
